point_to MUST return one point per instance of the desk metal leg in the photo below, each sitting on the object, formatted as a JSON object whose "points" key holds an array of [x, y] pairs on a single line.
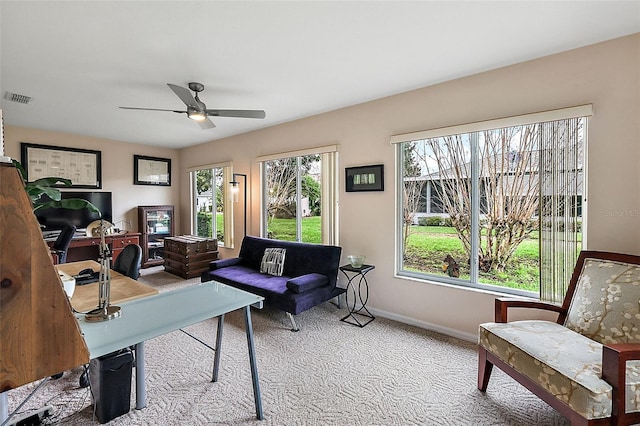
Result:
{"points": [[216, 358], [4, 407], [141, 386], [252, 361]]}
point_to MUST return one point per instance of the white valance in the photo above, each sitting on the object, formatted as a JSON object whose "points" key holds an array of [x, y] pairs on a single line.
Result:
{"points": [[299, 153], [497, 123], [209, 166]]}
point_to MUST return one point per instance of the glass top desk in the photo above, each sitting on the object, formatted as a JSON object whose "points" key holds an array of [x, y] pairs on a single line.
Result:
{"points": [[149, 317]]}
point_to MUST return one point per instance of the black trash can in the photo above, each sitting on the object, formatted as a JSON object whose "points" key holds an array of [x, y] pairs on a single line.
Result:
{"points": [[110, 379]]}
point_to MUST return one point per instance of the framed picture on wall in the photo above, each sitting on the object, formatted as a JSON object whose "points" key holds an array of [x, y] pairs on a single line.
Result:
{"points": [[365, 178], [151, 171], [83, 167]]}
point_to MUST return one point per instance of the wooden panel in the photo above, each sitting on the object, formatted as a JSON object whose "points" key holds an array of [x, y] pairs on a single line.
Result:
{"points": [[87, 248], [202, 264], [190, 244], [191, 258], [185, 274], [39, 334]]}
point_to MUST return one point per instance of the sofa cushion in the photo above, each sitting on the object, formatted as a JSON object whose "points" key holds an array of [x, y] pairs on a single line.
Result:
{"points": [[273, 261], [250, 278], [605, 303], [223, 263], [307, 282], [565, 363]]}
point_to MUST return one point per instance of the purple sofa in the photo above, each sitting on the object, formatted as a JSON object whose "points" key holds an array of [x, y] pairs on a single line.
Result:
{"points": [[309, 277]]}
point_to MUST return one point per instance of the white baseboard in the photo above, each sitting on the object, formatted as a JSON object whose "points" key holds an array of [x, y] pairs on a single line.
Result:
{"points": [[426, 325]]}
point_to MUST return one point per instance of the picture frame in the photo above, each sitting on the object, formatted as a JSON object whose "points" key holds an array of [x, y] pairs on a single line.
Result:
{"points": [[83, 167], [364, 178], [152, 171]]}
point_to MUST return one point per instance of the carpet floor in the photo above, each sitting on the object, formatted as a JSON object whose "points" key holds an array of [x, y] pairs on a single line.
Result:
{"points": [[329, 373]]}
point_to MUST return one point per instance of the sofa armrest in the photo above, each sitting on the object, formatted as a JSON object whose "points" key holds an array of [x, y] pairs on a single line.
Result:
{"points": [[307, 282], [223, 263], [502, 305], [614, 372]]}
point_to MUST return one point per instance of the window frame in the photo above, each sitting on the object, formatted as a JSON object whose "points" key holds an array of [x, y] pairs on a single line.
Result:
{"points": [[329, 189], [473, 129], [227, 170]]}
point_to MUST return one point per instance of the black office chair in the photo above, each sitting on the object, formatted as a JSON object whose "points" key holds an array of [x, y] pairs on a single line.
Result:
{"points": [[128, 262], [61, 246]]}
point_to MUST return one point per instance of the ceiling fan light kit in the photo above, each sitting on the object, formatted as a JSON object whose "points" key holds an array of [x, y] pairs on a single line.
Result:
{"points": [[196, 115], [197, 110]]}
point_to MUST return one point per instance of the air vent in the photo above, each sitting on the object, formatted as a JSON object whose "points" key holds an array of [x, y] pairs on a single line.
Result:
{"points": [[14, 97]]}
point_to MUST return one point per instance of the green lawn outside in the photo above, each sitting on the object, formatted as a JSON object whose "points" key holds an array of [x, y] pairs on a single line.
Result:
{"points": [[204, 225], [427, 248], [285, 229]]}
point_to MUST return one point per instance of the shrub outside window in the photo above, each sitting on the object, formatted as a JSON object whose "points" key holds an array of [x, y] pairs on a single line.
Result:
{"points": [[299, 198]]}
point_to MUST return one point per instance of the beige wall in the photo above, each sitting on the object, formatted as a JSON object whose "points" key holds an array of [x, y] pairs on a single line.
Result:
{"points": [[606, 75], [117, 169]]}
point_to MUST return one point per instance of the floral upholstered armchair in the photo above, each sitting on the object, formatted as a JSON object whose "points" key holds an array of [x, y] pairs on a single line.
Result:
{"points": [[586, 364]]}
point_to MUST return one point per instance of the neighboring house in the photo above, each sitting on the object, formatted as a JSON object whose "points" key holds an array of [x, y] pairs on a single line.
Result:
{"points": [[431, 203]]}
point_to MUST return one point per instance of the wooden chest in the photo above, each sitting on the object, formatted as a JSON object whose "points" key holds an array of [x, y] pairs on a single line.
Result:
{"points": [[188, 256]]}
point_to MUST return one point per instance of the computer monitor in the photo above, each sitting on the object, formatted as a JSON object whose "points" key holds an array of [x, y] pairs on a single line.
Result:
{"points": [[56, 218]]}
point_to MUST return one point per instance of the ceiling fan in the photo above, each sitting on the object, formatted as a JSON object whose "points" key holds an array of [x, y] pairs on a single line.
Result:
{"points": [[197, 110]]}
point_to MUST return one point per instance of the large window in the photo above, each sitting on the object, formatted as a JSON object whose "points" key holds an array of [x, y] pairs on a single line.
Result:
{"points": [[496, 205], [210, 210], [299, 196]]}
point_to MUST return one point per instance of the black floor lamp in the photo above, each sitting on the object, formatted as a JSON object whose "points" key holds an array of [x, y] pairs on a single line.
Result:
{"points": [[234, 191]]}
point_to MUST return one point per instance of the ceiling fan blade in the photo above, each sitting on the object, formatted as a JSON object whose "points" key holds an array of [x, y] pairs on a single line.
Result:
{"points": [[242, 113], [185, 96], [154, 109], [206, 124]]}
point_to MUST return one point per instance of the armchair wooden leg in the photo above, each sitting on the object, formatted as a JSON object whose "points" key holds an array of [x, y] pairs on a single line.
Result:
{"points": [[484, 369]]}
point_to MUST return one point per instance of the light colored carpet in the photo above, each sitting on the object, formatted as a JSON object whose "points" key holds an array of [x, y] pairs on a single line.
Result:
{"points": [[329, 373]]}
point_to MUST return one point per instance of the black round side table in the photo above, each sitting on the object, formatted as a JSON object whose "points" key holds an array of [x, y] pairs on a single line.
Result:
{"points": [[360, 295]]}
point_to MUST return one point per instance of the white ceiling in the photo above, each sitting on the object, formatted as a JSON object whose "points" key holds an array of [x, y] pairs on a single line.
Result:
{"points": [[80, 61]]}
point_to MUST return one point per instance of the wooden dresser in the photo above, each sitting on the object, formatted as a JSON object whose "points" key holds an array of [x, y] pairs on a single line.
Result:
{"points": [[87, 248]]}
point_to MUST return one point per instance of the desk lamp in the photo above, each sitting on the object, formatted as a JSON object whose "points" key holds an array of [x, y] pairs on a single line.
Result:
{"points": [[104, 311]]}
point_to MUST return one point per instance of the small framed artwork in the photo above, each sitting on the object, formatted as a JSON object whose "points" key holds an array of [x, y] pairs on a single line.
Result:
{"points": [[151, 171], [365, 178], [81, 166]]}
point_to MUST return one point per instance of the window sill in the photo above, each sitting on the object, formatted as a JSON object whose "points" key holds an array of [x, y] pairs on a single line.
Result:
{"points": [[478, 288]]}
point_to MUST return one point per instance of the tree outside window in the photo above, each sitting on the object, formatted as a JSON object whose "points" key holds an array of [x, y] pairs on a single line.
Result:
{"points": [[494, 207], [293, 199]]}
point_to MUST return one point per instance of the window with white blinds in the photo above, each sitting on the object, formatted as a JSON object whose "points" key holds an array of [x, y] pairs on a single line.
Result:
{"points": [[211, 207], [496, 205], [299, 195]]}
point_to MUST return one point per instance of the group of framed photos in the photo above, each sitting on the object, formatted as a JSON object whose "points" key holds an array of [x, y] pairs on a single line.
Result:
{"points": [[83, 167]]}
